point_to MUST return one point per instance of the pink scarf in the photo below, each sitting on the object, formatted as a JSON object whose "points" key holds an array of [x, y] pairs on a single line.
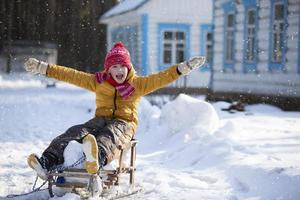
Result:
{"points": [[125, 89]]}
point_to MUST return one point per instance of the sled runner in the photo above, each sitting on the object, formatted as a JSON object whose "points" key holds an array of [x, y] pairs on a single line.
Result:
{"points": [[90, 185]]}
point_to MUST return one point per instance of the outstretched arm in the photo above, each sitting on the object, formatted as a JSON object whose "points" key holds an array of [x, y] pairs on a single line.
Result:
{"points": [[148, 84], [75, 77], [153, 82]]}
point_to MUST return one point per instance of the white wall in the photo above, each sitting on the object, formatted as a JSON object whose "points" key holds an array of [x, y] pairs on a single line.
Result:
{"points": [[194, 13], [263, 82]]}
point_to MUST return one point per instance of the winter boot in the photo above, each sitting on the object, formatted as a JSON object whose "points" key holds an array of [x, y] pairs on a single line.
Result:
{"points": [[90, 149], [38, 165]]}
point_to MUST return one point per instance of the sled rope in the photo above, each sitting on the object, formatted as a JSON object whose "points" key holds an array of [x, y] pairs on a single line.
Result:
{"points": [[58, 168], [62, 168], [33, 189]]}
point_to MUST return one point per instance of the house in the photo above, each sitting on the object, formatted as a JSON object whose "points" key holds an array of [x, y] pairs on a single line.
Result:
{"points": [[256, 49], [159, 33]]}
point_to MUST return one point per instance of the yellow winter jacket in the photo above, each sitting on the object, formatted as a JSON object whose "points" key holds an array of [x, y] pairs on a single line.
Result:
{"points": [[108, 102]]}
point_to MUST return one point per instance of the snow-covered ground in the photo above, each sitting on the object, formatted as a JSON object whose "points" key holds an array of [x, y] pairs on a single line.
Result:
{"points": [[188, 149]]}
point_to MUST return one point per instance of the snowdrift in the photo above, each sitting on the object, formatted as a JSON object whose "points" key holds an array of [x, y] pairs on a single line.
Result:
{"points": [[187, 134], [187, 149], [186, 112]]}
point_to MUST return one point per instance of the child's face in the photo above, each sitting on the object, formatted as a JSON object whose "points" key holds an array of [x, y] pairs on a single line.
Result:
{"points": [[118, 73]]}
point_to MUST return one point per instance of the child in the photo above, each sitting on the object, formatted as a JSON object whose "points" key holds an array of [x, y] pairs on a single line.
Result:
{"points": [[118, 91]]}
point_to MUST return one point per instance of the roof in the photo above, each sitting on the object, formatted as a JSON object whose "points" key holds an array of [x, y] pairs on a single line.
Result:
{"points": [[123, 7]]}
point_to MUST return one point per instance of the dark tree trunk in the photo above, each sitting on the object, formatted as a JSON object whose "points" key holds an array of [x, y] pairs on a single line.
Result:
{"points": [[9, 36], [73, 25]]}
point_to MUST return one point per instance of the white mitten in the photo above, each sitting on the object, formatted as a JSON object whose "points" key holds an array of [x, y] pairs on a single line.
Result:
{"points": [[36, 66], [186, 67]]}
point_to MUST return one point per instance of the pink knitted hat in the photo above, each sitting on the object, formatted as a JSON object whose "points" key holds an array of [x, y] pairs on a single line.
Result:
{"points": [[117, 55]]}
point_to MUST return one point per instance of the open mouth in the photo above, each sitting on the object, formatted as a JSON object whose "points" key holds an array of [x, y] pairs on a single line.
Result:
{"points": [[119, 76]]}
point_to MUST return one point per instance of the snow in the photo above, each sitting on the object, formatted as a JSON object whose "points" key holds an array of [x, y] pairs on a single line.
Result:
{"points": [[192, 112], [19, 81], [123, 6], [187, 148], [72, 153]]}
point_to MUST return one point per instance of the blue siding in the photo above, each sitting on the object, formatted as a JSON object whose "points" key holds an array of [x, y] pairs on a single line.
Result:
{"points": [[299, 45], [250, 67], [171, 26], [211, 79], [277, 65], [228, 7], [249, 3], [144, 44], [204, 29]]}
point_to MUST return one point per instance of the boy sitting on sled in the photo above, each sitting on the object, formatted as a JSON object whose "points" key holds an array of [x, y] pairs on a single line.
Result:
{"points": [[118, 92]]}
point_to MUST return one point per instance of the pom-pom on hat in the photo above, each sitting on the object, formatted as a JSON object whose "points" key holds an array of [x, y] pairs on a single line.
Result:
{"points": [[117, 55]]}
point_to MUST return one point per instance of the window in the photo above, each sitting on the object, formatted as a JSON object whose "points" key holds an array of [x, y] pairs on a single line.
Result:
{"points": [[129, 36], [278, 33], [250, 39], [206, 43], [208, 47], [229, 36], [173, 44], [173, 47], [250, 36]]}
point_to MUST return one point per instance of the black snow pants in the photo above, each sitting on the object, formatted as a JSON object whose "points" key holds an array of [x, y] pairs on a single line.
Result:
{"points": [[109, 133]]}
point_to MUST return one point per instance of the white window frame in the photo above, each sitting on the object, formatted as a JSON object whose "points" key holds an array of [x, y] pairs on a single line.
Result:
{"points": [[229, 56], [251, 37], [173, 42], [209, 43], [278, 35]]}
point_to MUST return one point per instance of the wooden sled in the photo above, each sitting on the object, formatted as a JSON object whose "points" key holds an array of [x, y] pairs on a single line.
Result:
{"points": [[83, 183]]}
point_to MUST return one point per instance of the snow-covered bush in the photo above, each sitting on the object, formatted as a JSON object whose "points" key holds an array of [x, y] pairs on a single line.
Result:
{"points": [[186, 113]]}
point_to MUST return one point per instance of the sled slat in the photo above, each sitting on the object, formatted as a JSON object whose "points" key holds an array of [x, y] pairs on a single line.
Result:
{"points": [[77, 174], [111, 178], [71, 185]]}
